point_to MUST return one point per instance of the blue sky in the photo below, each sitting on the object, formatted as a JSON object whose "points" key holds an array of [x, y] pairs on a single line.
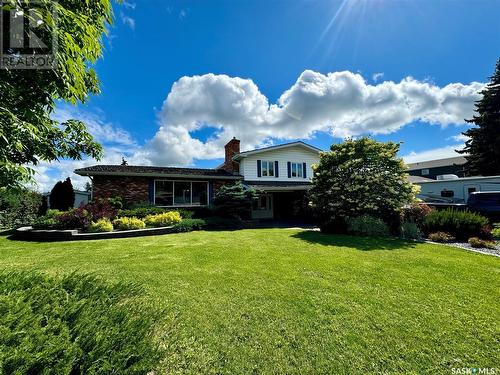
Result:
{"points": [[269, 45]]}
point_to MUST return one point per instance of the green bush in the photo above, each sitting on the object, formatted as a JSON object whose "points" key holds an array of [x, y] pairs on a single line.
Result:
{"points": [[479, 243], [48, 221], [165, 219], [460, 224], [366, 225], [234, 201], [101, 225], [74, 325], [410, 231], [415, 213], [189, 225], [18, 207], [496, 233], [360, 177], [128, 223], [441, 237]]}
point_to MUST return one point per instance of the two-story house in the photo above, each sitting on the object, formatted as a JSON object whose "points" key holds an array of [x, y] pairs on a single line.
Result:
{"points": [[282, 173]]}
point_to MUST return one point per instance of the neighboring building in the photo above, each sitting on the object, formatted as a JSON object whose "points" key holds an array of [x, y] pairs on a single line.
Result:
{"points": [[81, 198], [433, 168], [282, 173]]}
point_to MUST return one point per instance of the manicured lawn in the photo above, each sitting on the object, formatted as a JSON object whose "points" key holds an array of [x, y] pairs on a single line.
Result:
{"points": [[290, 301]]}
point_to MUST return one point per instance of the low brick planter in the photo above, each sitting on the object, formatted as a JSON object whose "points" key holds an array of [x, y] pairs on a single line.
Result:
{"points": [[30, 234]]}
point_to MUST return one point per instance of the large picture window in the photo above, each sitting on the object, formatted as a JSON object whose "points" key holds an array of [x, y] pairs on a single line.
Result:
{"points": [[181, 193]]}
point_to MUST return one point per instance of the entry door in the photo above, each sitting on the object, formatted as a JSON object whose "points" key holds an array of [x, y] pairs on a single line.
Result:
{"points": [[263, 207], [468, 189]]}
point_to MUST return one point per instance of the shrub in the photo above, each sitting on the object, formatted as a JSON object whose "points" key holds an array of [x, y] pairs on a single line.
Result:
{"points": [[234, 200], [76, 218], [460, 224], [496, 233], [18, 207], [189, 225], [366, 225], [48, 221], [128, 223], [360, 177], [142, 212], [77, 324], [415, 213], [479, 243], [101, 209], [441, 237], [101, 225], [165, 219], [410, 230]]}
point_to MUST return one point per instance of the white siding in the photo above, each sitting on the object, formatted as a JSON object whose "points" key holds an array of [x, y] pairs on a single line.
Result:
{"points": [[294, 154]]}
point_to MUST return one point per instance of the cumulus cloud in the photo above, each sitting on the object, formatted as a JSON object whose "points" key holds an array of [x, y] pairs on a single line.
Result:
{"points": [[340, 103], [377, 77]]}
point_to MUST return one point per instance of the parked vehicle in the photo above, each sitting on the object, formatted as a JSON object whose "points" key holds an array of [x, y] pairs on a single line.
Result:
{"points": [[485, 203], [452, 189]]}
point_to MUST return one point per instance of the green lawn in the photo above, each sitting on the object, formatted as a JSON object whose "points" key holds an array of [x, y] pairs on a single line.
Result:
{"points": [[290, 301]]}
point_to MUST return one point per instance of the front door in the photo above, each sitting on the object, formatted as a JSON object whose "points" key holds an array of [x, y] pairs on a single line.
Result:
{"points": [[263, 207]]}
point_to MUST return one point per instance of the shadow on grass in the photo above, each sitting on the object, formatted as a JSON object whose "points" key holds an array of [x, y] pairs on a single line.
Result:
{"points": [[359, 243]]}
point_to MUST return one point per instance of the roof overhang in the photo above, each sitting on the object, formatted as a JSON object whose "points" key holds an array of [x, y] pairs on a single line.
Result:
{"points": [[158, 175]]}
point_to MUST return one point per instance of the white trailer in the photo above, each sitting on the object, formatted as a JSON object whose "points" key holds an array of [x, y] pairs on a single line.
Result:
{"points": [[452, 189]]}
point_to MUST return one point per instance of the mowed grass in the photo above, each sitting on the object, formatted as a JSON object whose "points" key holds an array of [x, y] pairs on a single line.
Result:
{"points": [[291, 301]]}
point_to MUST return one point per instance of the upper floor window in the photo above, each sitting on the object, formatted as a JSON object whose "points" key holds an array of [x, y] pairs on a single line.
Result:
{"points": [[267, 168], [296, 169]]}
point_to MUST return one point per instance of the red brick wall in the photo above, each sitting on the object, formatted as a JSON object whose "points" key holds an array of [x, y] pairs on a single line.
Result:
{"points": [[131, 189], [232, 148]]}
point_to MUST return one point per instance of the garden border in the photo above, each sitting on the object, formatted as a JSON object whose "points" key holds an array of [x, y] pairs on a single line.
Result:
{"points": [[30, 234]]}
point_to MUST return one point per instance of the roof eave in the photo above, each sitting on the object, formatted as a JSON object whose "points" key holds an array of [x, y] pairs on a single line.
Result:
{"points": [[159, 175]]}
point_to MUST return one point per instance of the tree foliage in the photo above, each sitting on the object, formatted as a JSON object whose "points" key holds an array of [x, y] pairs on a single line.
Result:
{"points": [[360, 177], [62, 196], [18, 207], [234, 200], [483, 146], [28, 133]]}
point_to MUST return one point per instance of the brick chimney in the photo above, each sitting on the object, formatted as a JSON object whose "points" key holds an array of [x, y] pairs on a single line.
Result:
{"points": [[232, 148]]}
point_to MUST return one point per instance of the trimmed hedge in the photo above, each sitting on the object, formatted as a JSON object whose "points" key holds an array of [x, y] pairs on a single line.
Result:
{"points": [[142, 212], [366, 225], [76, 324], [460, 224]]}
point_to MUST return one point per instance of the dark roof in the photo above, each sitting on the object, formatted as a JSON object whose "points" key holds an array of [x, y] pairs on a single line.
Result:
{"points": [[136, 170]]}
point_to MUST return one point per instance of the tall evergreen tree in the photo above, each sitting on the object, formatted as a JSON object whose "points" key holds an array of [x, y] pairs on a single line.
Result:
{"points": [[483, 146], [62, 196]]}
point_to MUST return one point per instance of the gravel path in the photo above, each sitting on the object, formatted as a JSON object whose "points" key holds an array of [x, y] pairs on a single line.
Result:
{"points": [[466, 246]]}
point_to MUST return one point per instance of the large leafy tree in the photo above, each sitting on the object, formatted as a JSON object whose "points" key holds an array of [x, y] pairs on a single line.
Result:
{"points": [[360, 177], [483, 146], [28, 134]]}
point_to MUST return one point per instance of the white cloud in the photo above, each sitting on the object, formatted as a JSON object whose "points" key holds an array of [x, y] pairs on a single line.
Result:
{"points": [[377, 77], [436, 153], [128, 21], [129, 5], [341, 103], [459, 138]]}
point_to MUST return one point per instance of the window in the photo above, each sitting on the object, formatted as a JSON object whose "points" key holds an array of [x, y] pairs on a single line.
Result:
{"points": [[267, 168], [447, 193], [296, 170], [425, 172], [180, 193]]}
